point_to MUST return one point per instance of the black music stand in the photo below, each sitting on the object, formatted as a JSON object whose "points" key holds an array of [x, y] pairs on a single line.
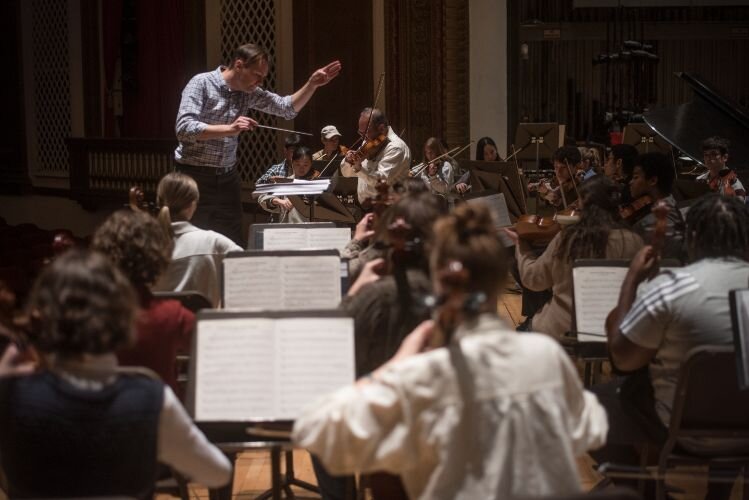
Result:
{"points": [[537, 141], [500, 177], [325, 207], [644, 138]]}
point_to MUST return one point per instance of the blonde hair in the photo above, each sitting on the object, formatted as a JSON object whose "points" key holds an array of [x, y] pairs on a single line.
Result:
{"points": [[175, 194]]}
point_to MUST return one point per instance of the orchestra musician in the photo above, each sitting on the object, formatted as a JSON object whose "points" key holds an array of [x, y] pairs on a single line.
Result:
{"points": [[719, 177], [599, 234], [561, 191], [212, 114], [439, 175], [383, 154], [620, 161], [486, 150], [657, 322], [283, 168], [98, 429], [652, 181], [441, 417], [331, 142], [301, 168]]}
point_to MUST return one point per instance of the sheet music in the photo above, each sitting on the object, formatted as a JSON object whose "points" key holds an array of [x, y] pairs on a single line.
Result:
{"points": [[296, 187], [303, 238], [596, 290], [498, 207], [281, 283], [316, 356], [234, 360], [325, 238], [269, 369], [285, 238]]}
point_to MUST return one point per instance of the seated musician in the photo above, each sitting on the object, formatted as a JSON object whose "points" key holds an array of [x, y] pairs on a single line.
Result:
{"points": [[590, 163], [620, 162], [197, 252], [383, 156], [561, 191], [282, 169], [657, 325], [301, 168], [486, 150], [136, 243], [652, 181], [92, 429], [599, 234], [719, 176], [469, 420], [443, 176], [331, 142]]}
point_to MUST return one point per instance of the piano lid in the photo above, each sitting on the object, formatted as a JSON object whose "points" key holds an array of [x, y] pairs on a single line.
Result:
{"points": [[708, 114]]}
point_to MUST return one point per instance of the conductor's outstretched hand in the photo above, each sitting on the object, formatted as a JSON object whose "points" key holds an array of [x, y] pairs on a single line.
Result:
{"points": [[325, 74]]}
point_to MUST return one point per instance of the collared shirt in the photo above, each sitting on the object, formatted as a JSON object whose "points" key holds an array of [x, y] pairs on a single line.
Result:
{"points": [[465, 422], [180, 444], [208, 100], [281, 169], [390, 164]]}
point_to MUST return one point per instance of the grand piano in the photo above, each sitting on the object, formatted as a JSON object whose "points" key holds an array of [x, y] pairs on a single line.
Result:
{"points": [[709, 114]]}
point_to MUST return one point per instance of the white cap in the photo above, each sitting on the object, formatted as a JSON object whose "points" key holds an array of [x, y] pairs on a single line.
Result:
{"points": [[329, 131]]}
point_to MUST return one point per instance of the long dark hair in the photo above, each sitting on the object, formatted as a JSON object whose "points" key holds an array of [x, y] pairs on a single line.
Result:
{"points": [[480, 147], [588, 238]]}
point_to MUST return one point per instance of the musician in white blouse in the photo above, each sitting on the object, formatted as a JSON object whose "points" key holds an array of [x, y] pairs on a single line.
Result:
{"points": [[492, 415]]}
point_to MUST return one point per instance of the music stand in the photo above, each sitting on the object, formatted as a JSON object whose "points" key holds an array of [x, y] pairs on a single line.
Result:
{"points": [[325, 207], [644, 138], [536, 141], [739, 301], [500, 177]]}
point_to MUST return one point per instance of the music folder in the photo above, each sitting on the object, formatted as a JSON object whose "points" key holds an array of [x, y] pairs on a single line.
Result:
{"points": [[498, 207], [281, 280], [259, 367], [739, 300]]}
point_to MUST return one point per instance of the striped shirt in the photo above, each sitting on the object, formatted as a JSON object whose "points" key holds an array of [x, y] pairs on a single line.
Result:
{"points": [[208, 100], [678, 311]]}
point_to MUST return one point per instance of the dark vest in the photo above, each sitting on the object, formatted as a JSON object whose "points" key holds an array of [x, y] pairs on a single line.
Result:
{"points": [[57, 440]]}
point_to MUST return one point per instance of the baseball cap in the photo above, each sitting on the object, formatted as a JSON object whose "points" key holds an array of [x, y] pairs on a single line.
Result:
{"points": [[329, 131]]}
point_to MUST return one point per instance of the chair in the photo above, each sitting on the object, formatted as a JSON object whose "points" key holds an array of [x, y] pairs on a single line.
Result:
{"points": [[701, 411]]}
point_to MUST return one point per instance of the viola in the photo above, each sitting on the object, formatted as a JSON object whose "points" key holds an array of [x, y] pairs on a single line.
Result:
{"points": [[536, 229], [628, 212]]}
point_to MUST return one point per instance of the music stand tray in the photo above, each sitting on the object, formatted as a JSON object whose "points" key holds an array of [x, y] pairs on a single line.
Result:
{"points": [[644, 138]]}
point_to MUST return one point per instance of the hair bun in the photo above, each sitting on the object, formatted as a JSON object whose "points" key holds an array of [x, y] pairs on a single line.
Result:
{"points": [[473, 220]]}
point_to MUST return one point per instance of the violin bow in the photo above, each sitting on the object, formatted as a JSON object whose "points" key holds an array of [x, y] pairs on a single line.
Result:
{"points": [[514, 156]]}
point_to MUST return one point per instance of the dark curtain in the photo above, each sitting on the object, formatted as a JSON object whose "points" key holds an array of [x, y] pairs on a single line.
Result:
{"points": [[147, 36]]}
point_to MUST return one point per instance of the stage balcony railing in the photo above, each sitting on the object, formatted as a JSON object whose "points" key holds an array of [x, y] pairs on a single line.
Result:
{"points": [[102, 170]]}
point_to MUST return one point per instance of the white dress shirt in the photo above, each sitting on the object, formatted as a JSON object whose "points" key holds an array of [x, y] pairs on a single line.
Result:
{"points": [[497, 415], [391, 164]]}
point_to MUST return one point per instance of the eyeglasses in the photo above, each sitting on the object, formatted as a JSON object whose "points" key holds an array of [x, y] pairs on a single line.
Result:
{"points": [[711, 154]]}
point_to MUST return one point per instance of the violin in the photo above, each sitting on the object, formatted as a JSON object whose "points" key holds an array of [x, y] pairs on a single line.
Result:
{"points": [[629, 212], [137, 203], [369, 149], [538, 229], [723, 182]]}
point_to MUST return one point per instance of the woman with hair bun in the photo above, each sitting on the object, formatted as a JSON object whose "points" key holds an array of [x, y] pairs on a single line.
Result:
{"points": [[470, 419], [600, 234]]}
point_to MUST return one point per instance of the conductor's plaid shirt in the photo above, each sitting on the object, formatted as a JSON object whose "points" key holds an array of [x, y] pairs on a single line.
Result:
{"points": [[208, 100]]}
